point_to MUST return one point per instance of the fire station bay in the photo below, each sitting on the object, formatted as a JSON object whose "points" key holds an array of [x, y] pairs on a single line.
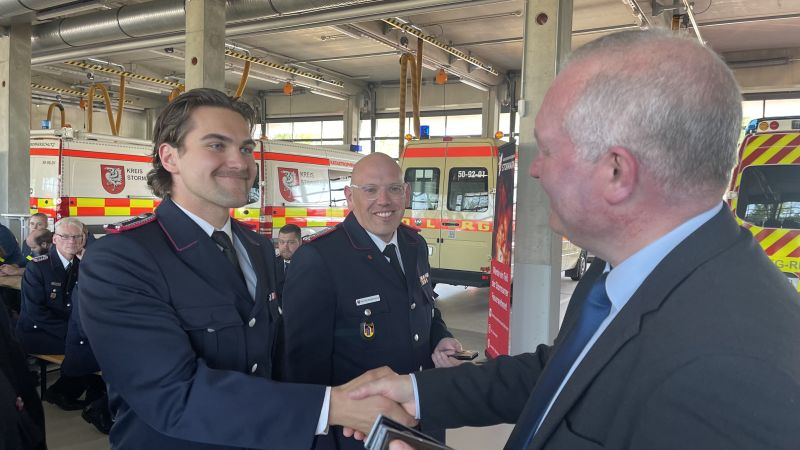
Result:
{"points": [[178, 177]]}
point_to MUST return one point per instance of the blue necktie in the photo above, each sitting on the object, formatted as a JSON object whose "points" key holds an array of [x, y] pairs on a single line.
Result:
{"points": [[593, 311]]}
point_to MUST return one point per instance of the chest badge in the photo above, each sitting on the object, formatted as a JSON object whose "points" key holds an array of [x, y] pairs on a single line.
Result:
{"points": [[53, 295], [367, 330]]}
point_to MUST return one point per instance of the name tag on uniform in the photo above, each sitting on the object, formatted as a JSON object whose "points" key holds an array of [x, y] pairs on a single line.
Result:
{"points": [[368, 300], [55, 283]]}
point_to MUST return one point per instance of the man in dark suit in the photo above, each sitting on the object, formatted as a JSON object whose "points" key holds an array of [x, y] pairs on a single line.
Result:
{"points": [[359, 296], [684, 335], [289, 240], [180, 306]]}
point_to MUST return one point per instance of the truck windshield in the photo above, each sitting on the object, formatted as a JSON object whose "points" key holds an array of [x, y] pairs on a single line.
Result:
{"points": [[769, 196]]}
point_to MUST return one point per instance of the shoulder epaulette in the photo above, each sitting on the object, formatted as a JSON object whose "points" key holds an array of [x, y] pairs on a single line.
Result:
{"points": [[40, 258], [410, 227], [130, 224], [321, 233]]}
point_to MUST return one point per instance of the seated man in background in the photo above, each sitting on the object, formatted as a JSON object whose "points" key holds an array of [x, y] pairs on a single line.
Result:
{"points": [[36, 224], [46, 306], [36, 244]]}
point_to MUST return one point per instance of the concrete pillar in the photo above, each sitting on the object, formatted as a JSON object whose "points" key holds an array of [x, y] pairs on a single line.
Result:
{"points": [[537, 250], [15, 118], [205, 44], [491, 111], [352, 119]]}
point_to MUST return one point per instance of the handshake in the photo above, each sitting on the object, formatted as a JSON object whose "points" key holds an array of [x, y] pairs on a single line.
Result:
{"points": [[357, 404]]}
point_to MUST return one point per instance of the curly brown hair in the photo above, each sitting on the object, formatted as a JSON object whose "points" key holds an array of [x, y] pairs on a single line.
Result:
{"points": [[175, 122]]}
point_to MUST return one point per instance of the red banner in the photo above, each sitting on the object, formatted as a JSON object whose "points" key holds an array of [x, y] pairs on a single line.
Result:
{"points": [[498, 329]]}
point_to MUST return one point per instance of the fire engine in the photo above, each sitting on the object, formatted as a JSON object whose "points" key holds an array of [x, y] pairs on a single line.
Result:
{"points": [[103, 179], [764, 192], [453, 183]]}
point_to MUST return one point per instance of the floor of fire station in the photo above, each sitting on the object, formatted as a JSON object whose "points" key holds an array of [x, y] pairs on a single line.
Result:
{"points": [[465, 312]]}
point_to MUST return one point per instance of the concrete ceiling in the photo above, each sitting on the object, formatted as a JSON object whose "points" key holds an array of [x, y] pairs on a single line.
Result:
{"points": [[359, 53]]}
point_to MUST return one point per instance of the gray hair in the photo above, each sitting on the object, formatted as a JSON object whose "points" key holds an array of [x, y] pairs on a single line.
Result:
{"points": [[667, 99], [69, 221]]}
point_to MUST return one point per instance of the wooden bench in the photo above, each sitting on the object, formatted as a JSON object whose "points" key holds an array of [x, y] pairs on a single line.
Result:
{"points": [[42, 361]]}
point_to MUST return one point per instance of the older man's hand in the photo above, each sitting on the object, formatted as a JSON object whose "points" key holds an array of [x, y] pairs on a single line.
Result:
{"points": [[357, 412]]}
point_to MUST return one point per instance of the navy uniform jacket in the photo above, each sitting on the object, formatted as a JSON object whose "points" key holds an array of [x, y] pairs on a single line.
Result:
{"points": [[184, 348], [46, 304], [331, 296], [11, 253], [280, 274], [78, 357]]}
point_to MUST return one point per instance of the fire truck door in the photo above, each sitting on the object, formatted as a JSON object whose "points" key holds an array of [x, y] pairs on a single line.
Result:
{"points": [[467, 211], [424, 211]]}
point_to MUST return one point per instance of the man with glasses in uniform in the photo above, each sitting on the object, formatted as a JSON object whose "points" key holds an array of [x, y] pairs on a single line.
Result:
{"points": [[359, 295], [47, 291]]}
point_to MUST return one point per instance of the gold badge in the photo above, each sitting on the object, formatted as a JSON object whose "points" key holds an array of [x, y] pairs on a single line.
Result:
{"points": [[367, 330]]}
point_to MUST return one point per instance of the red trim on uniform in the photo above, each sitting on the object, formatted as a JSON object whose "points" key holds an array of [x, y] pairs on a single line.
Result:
{"points": [[780, 243]]}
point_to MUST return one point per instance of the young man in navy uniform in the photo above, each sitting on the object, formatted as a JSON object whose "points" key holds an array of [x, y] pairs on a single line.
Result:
{"points": [[359, 296], [180, 305], [47, 288]]}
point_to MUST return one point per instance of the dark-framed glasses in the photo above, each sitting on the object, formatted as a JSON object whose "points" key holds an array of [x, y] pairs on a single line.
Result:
{"points": [[70, 237]]}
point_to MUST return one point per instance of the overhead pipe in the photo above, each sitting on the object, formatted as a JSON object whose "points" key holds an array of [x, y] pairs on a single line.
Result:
{"points": [[158, 17], [406, 60], [50, 112], [109, 109], [120, 102], [12, 8], [47, 46], [176, 92], [243, 80]]}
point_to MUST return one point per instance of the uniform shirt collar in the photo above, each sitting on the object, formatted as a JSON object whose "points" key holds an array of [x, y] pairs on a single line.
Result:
{"points": [[379, 242], [64, 261], [626, 278], [205, 226]]}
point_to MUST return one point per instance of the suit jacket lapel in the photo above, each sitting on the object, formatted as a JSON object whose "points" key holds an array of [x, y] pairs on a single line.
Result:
{"points": [[361, 241], [196, 249], [255, 253], [719, 233], [408, 251]]}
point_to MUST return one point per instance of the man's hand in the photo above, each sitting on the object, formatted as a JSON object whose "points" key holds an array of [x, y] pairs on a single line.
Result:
{"points": [[8, 269], [400, 445], [357, 413], [383, 382], [445, 348]]}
